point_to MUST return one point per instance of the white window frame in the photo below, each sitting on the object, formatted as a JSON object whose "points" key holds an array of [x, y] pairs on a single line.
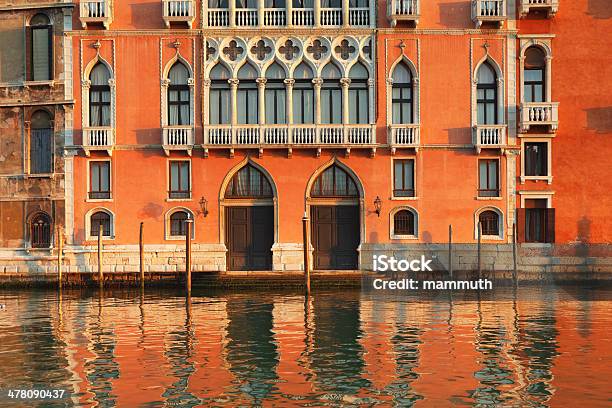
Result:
{"points": [[110, 176], [165, 84], [501, 95], [168, 178], [414, 169], [392, 234], [500, 195], [549, 177], [86, 84], [88, 236], [544, 43], [167, 228], [416, 91]]}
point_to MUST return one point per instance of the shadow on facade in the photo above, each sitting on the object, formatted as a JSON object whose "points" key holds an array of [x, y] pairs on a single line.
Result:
{"points": [[599, 9], [600, 119]]}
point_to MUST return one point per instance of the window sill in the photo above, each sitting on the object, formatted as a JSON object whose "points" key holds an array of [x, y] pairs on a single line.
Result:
{"points": [[181, 238], [404, 237], [40, 175], [489, 198], [491, 238], [50, 83], [95, 239], [535, 245], [99, 200], [548, 179], [404, 198], [174, 200]]}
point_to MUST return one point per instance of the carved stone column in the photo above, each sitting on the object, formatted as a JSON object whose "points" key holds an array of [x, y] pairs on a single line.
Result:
{"points": [[371, 100], [289, 82], [206, 96], [345, 83], [232, 13], [261, 99], [234, 99], [345, 13], [317, 82]]}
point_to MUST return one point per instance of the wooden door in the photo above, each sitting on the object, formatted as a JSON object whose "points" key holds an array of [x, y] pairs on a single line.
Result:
{"points": [[249, 237], [335, 236]]}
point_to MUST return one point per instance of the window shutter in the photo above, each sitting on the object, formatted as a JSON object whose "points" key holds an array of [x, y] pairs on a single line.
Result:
{"points": [[40, 54], [520, 225], [550, 225]]}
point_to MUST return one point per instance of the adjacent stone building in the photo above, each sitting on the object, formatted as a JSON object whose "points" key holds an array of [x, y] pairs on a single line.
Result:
{"points": [[36, 104]]}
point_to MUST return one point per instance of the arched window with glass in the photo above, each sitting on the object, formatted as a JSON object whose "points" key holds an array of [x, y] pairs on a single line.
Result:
{"points": [[41, 48], [219, 99], [489, 222], [249, 182], [534, 75], [303, 95], [275, 95], [486, 95], [334, 182], [247, 95], [99, 96], [100, 219], [41, 143], [331, 95], [402, 98], [358, 94], [178, 226], [179, 95], [404, 223], [40, 231]]}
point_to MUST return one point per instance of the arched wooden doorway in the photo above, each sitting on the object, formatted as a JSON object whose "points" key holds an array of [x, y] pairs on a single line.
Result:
{"points": [[249, 220], [334, 214]]}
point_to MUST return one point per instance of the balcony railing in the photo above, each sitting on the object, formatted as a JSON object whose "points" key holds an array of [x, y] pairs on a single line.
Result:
{"points": [[540, 114], [246, 17], [550, 6], [98, 138], [406, 135], [303, 17], [178, 138], [489, 136], [178, 11], [359, 16], [403, 10], [275, 17], [488, 11], [331, 16], [290, 135], [218, 17], [97, 12]]}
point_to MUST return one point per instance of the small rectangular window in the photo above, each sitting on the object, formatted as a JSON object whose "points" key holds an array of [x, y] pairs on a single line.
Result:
{"points": [[180, 186], [99, 180], [41, 54], [403, 178], [536, 159], [488, 178]]}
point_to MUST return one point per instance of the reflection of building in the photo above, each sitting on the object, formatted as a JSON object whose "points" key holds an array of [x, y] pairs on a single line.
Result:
{"points": [[35, 118], [256, 113]]}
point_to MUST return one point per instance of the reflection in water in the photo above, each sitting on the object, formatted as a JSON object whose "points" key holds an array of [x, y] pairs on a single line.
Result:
{"points": [[527, 347]]}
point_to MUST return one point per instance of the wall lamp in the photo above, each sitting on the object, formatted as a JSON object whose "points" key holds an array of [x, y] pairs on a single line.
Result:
{"points": [[203, 206], [377, 205]]}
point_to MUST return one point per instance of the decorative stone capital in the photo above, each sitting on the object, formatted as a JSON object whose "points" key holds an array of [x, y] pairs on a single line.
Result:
{"points": [[233, 82], [261, 82], [317, 81], [190, 81], [345, 82], [207, 82], [371, 82], [86, 83], [289, 82], [389, 81], [500, 81], [416, 80], [111, 82], [165, 82]]}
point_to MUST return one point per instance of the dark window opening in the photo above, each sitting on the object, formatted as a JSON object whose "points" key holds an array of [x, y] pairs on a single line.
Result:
{"points": [[489, 222], [41, 143], [99, 180], [488, 178], [486, 95], [178, 226], [403, 178], [334, 182], [41, 48], [536, 159], [180, 186], [40, 231], [403, 223], [249, 182], [99, 220]]}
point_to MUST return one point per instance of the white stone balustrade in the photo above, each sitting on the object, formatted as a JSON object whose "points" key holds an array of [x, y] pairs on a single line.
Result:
{"points": [[98, 138], [178, 138], [96, 11], [539, 114], [403, 10], [489, 136], [488, 11], [550, 6], [405, 135], [178, 11]]}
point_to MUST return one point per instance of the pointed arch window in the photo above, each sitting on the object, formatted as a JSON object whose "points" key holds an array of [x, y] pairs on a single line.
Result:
{"points": [[41, 48], [402, 97], [275, 95], [334, 182], [100, 219], [534, 75], [179, 99], [41, 143], [358, 94], [40, 231], [247, 95], [219, 99], [486, 95], [99, 96], [303, 95], [331, 95], [249, 182]]}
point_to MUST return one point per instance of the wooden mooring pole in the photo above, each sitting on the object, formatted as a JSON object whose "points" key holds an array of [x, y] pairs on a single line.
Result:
{"points": [[514, 270], [100, 274], [306, 239], [450, 251], [60, 255], [188, 225], [141, 254], [479, 248]]}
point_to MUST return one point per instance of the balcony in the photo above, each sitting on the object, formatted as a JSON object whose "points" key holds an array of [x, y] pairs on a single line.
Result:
{"points": [[246, 17], [96, 12], [403, 10], [289, 136], [404, 136], [98, 138], [549, 6], [489, 136], [177, 138], [539, 114], [331, 17], [303, 17], [488, 11], [178, 11]]}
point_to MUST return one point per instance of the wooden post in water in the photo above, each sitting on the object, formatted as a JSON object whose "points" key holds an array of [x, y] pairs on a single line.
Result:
{"points": [[450, 250], [306, 239], [60, 250], [100, 274], [141, 254], [514, 272], [479, 245], [188, 224]]}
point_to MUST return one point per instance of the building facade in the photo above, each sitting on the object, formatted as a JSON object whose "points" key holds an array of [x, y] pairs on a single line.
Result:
{"points": [[36, 104], [386, 123]]}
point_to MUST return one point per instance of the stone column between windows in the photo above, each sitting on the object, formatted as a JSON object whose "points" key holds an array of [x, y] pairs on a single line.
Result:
{"points": [[261, 100], [232, 13], [345, 83], [289, 98], [234, 101], [317, 82], [371, 101], [289, 11], [548, 78], [27, 140], [317, 13], [260, 13], [345, 13], [206, 96]]}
